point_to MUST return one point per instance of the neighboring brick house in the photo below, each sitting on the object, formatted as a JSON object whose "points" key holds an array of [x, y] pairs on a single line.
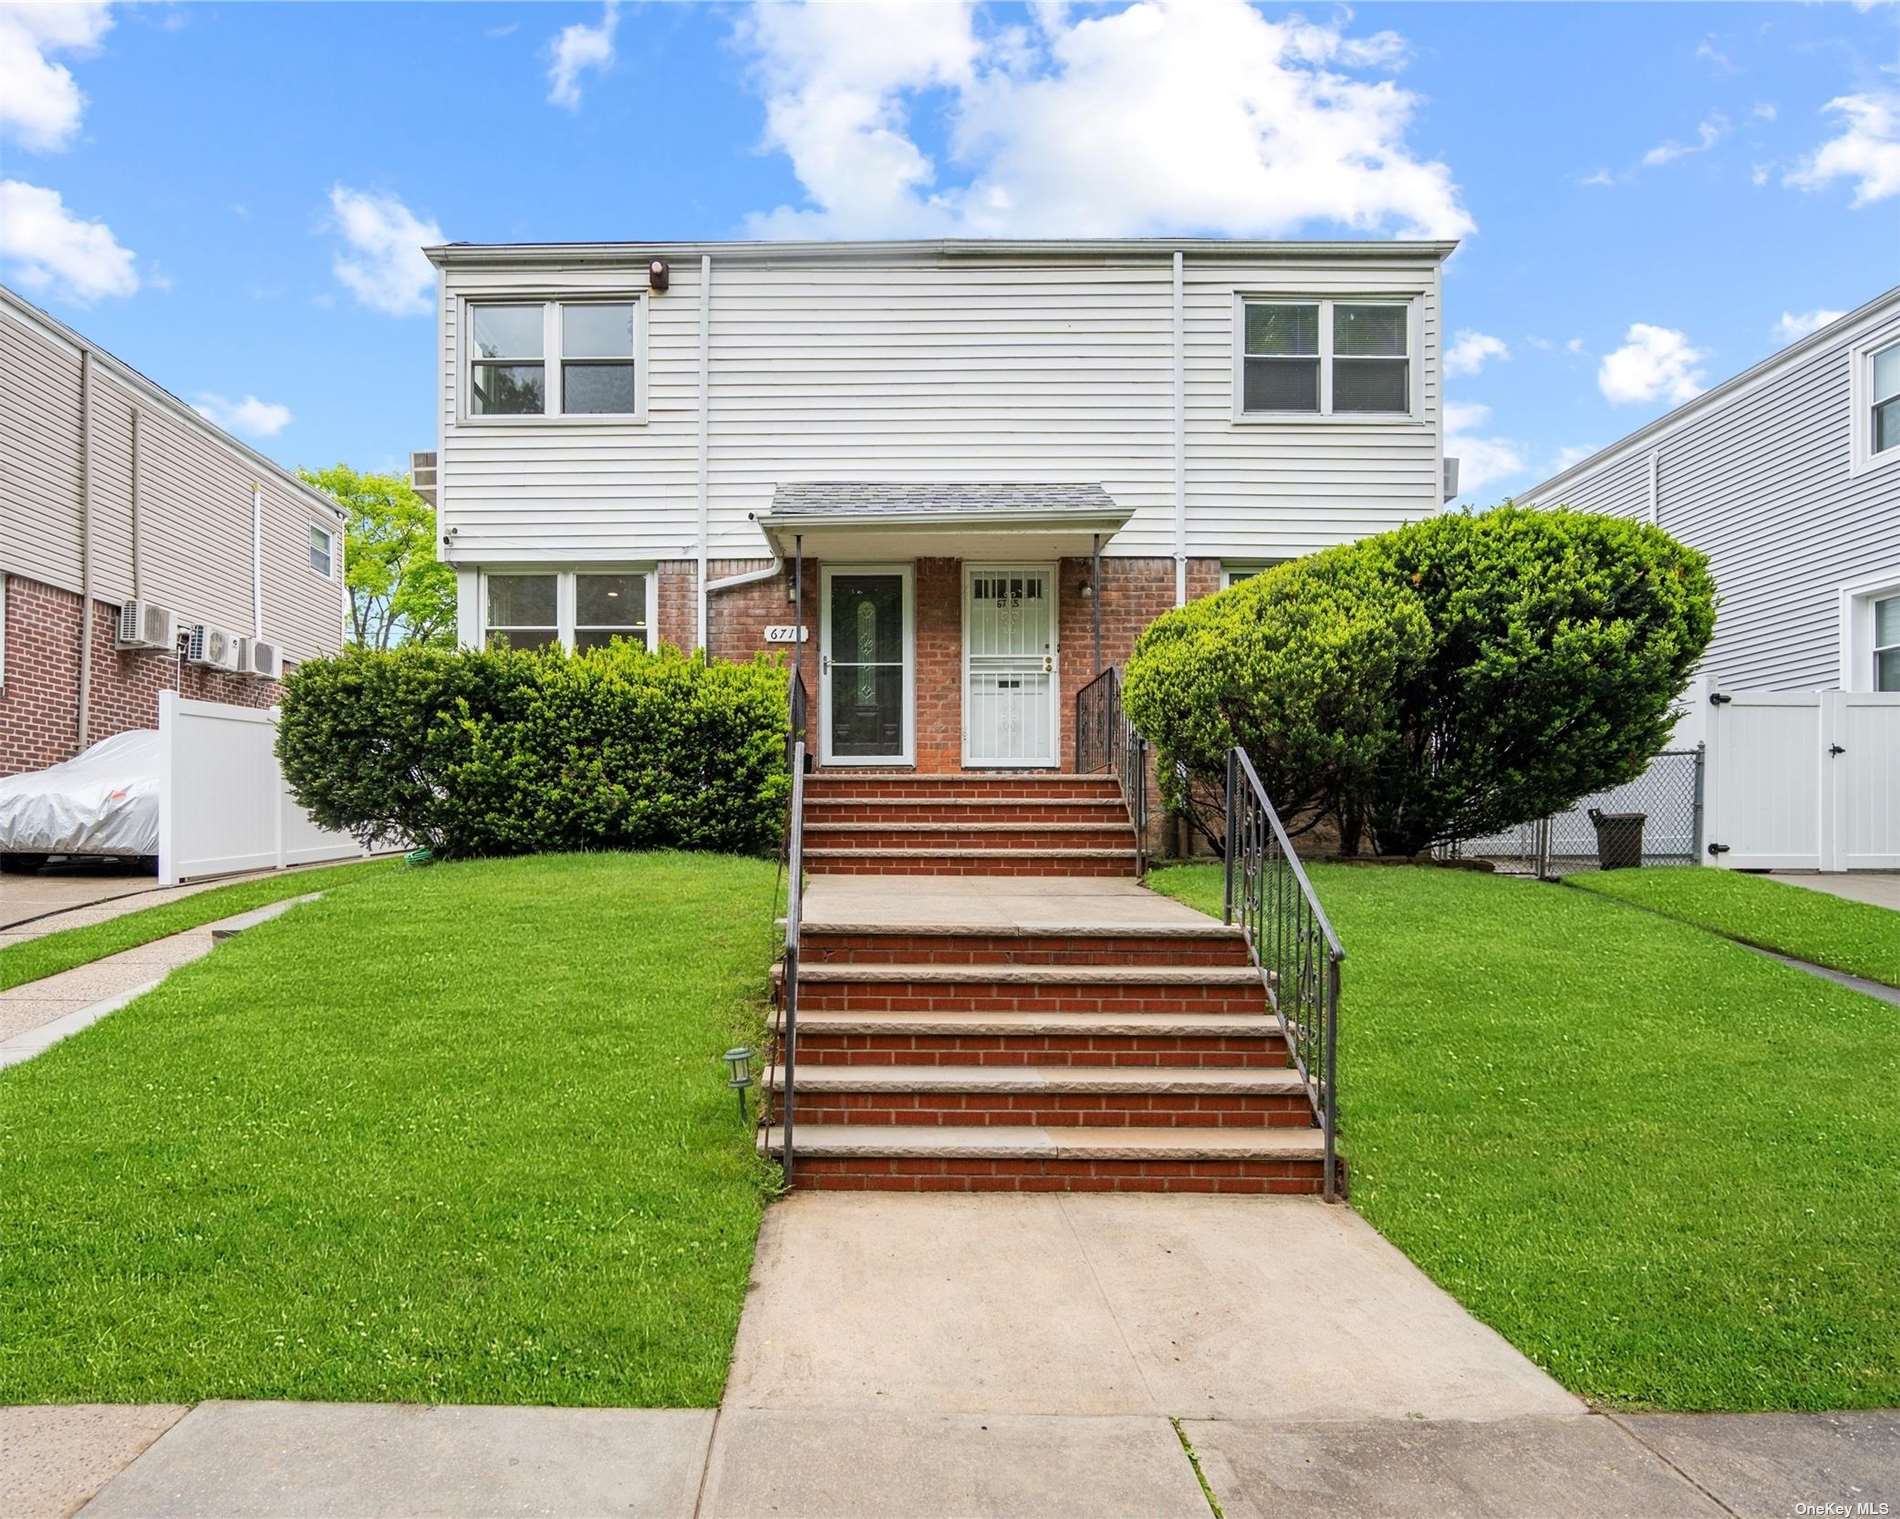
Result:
{"points": [[112, 488], [969, 450]]}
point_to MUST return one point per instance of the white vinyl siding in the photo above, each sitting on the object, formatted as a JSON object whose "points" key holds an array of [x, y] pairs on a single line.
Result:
{"points": [[1762, 482], [928, 369], [194, 498]]}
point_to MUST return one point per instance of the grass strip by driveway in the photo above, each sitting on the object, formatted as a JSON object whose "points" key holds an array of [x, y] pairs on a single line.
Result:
{"points": [[1661, 1165], [51, 953], [455, 1135], [1855, 937]]}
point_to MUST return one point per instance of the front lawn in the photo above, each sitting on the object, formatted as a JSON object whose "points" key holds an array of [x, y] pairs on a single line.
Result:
{"points": [[457, 1135], [1791, 920], [51, 953], [1661, 1165]]}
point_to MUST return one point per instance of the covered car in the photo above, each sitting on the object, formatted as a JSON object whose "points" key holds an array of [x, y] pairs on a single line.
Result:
{"points": [[103, 802]]}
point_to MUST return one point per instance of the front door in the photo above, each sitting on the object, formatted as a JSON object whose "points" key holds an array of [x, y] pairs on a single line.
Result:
{"points": [[864, 665], [1010, 683]]}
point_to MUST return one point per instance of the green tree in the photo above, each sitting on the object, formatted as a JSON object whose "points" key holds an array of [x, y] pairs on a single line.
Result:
{"points": [[400, 593]]}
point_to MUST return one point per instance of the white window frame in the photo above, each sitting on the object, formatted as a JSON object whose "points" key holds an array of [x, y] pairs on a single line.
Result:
{"points": [[567, 596], [329, 551], [552, 359], [1233, 571], [1860, 399], [1326, 416], [1857, 627]]}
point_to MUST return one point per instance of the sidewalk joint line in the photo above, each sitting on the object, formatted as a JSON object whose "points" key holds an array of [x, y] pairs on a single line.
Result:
{"points": [[1663, 1457], [1194, 1460]]}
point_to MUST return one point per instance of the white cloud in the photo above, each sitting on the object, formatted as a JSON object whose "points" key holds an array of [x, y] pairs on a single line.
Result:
{"points": [[40, 104], [1764, 110], [1653, 362], [383, 265], [1711, 130], [1482, 461], [1601, 177], [1573, 345], [1471, 351], [1164, 116], [48, 249], [1798, 324], [1710, 53], [578, 49], [1867, 150], [252, 417]]}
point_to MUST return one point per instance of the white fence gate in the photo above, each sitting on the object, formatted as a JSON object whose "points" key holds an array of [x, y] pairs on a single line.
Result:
{"points": [[222, 802], [1804, 780]]}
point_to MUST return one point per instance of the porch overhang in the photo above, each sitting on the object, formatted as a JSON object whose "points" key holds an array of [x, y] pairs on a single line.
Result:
{"points": [[839, 520]]}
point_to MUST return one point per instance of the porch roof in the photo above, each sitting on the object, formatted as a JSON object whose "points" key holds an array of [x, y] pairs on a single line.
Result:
{"points": [[950, 519]]}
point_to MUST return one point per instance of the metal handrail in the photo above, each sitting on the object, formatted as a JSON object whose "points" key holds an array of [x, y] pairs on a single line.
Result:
{"points": [[1290, 940], [1105, 739], [794, 917]]}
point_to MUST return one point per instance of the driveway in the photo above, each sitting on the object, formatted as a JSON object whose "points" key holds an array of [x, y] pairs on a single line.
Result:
{"points": [[1879, 888]]}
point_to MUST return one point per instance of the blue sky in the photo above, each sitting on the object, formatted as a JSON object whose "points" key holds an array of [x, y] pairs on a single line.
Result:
{"points": [[1651, 197]]}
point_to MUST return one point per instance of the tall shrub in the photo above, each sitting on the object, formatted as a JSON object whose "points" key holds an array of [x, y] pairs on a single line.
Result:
{"points": [[484, 753]]}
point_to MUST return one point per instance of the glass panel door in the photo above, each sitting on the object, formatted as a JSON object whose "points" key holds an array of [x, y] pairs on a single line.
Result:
{"points": [[864, 665]]}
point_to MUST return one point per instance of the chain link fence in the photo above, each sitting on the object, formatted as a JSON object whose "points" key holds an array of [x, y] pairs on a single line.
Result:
{"points": [[1668, 797]]}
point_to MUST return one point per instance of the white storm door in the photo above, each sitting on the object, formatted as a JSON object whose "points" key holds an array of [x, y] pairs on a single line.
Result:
{"points": [[1009, 633]]}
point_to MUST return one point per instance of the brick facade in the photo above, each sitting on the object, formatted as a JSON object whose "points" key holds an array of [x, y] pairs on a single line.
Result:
{"points": [[39, 700], [1133, 593]]}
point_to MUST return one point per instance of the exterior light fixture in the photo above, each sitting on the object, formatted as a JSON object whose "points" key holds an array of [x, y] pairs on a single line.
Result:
{"points": [[659, 276], [739, 1062]]}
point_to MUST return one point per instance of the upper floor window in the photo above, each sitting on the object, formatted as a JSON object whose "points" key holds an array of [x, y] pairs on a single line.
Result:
{"points": [[1885, 390], [322, 551], [554, 358], [1887, 643], [1325, 358]]}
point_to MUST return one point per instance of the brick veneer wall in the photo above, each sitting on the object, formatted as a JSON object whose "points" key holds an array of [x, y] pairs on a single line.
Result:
{"points": [[39, 702], [1133, 593]]}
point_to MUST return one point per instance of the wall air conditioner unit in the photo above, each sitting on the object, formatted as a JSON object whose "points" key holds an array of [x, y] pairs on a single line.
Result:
{"points": [[255, 657], [212, 646], [143, 625]]}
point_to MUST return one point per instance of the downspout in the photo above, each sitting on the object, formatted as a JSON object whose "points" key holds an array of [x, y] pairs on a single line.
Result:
{"points": [[1180, 433], [705, 445], [257, 561], [135, 503], [1095, 596], [85, 547]]}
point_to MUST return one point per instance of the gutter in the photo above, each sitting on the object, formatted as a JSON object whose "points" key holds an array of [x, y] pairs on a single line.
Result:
{"points": [[1382, 250]]}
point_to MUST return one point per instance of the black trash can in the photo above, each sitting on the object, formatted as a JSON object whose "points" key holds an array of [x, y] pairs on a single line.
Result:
{"points": [[1619, 838]]}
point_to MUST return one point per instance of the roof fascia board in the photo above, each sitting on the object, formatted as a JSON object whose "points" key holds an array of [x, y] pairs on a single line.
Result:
{"points": [[1846, 329], [29, 315], [479, 254]]}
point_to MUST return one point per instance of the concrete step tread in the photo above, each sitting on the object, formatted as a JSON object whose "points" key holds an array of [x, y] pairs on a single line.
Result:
{"points": [[874, 826], [970, 854], [1105, 803], [813, 928], [829, 778], [911, 1021], [1061, 975], [1162, 1081], [951, 1142]]}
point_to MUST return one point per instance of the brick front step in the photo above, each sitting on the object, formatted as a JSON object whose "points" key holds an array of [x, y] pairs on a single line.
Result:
{"points": [[1014, 836], [971, 862], [1035, 1159], [969, 809], [830, 786], [1175, 1041], [1173, 946], [1045, 1096], [1136, 989]]}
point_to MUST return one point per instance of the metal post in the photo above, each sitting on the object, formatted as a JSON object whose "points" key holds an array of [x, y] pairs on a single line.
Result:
{"points": [[798, 609], [1228, 849], [1701, 760], [1095, 597], [1331, 1061], [1543, 849]]}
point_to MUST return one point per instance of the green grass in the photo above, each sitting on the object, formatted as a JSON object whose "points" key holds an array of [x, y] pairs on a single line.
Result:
{"points": [[1661, 1165], [452, 1135], [55, 952], [1855, 937]]}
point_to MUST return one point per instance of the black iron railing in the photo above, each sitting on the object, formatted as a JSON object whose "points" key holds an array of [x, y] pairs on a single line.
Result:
{"points": [[794, 917], [1106, 740], [1290, 940], [800, 703]]}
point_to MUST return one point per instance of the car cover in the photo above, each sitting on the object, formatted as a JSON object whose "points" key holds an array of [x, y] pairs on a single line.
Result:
{"points": [[105, 801]]}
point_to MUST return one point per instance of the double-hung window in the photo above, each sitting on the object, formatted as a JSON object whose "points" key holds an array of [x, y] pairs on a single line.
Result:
{"points": [[322, 551], [1884, 388], [1887, 644], [568, 609], [554, 358], [1324, 358]]}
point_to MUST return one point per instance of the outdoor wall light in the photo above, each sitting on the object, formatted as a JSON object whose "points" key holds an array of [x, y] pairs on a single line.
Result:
{"points": [[659, 276], [739, 1062]]}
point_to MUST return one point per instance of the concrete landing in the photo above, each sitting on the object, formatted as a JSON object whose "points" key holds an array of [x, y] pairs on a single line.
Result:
{"points": [[1075, 903]]}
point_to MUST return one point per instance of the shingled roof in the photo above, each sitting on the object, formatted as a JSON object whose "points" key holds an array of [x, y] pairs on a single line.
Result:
{"points": [[832, 500]]}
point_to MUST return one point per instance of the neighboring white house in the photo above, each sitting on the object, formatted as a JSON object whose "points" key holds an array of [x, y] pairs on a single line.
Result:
{"points": [[991, 463], [1788, 477]]}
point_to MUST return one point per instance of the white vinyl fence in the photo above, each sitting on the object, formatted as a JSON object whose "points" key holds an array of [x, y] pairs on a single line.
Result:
{"points": [[1804, 780], [222, 803]]}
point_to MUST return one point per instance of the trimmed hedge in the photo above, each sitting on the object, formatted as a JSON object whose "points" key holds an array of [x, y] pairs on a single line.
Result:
{"points": [[500, 752]]}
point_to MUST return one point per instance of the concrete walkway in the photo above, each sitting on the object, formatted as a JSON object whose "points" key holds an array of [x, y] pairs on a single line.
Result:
{"points": [[38, 1014], [1877, 888]]}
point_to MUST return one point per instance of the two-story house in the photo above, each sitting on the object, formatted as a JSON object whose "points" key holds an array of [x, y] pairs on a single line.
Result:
{"points": [[988, 465]]}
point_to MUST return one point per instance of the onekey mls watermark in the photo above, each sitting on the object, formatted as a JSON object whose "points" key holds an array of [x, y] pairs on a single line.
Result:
{"points": [[1862, 1508]]}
